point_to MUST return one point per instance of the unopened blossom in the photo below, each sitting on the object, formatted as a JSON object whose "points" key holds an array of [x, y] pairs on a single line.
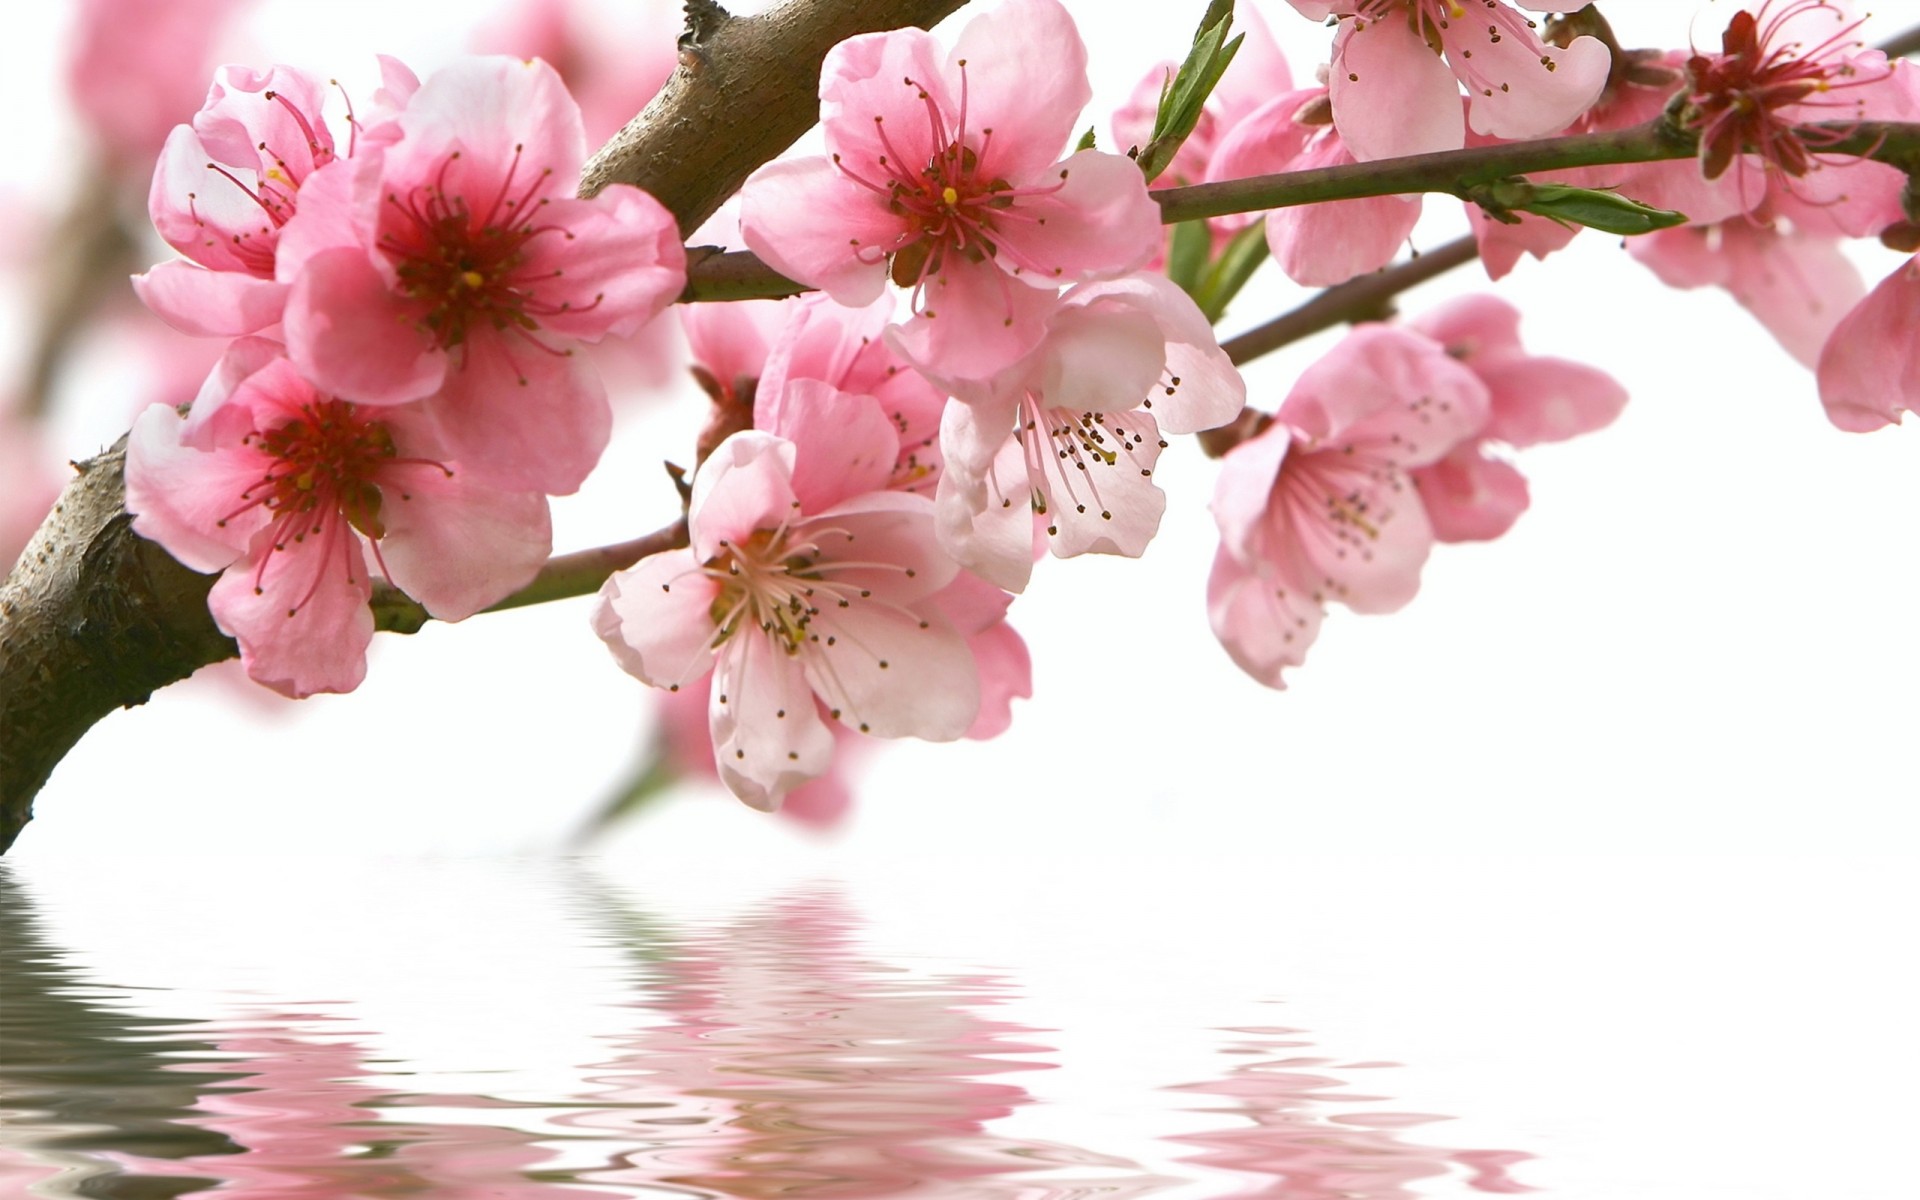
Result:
{"points": [[804, 578], [1319, 507], [944, 171], [1471, 494], [1317, 245], [453, 265], [289, 492], [1869, 370], [1399, 67], [1060, 448]]}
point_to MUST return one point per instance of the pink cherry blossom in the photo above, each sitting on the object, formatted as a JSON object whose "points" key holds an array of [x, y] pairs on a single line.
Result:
{"points": [[1869, 369], [1066, 439], [454, 266], [943, 170], [1317, 245], [1470, 494], [802, 581], [225, 186], [821, 803], [1319, 506], [286, 490], [1399, 66]]}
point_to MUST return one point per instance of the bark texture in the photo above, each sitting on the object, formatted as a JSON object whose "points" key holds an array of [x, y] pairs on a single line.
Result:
{"points": [[94, 618]]}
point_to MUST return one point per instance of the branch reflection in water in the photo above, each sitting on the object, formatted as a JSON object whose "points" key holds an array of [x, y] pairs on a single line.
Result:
{"points": [[757, 1054]]}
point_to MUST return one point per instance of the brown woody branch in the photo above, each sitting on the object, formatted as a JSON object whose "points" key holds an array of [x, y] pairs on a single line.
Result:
{"points": [[94, 618]]}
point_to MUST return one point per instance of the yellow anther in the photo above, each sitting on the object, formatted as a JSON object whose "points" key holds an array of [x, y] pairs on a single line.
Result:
{"points": [[473, 279], [949, 197], [304, 481]]}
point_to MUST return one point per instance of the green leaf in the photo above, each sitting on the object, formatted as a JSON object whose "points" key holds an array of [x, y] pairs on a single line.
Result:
{"points": [[1185, 95], [1595, 208], [1231, 271], [1086, 141]]}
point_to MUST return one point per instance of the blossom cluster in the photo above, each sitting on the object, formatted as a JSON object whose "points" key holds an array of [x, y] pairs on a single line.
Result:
{"points": [[991, 362], [403, 389]]}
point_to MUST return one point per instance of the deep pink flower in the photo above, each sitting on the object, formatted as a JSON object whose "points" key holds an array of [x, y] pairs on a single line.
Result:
{"points": [[1869, 369], [1317, 245], [225, 186], [286, 490], [803, 580], [1470, 494], [1065, 440], [1399, 67], [1319, 507], [943, 169], [454, 265]]}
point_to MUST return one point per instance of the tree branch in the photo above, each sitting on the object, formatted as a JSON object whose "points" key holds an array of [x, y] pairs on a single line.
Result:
{"points": [[94, 618]]}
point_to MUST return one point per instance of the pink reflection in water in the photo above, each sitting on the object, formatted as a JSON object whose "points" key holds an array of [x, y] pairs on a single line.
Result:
{"points": [[1300, 1151], [307, 1132], [795, 1067]]}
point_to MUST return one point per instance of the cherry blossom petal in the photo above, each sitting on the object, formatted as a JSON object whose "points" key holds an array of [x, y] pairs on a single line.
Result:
{"points": [[1006, 672], [1026, 76], [844, 445], [1099, 356], [892, 673], [976, 323], [868, 108], [457, 547], [985, 516], [184, 498], [1383, 385], [656, 616], [1201, 388], [1869, 371], [510, 120], [1392, 96], [1320, 245], [1264, 625], [1469, 497], [883, 544], [1517, 86], [520, 416], [341, 319], [616, 263], [303, 623], [204, 303], [744, 486], [1244, 488], [731, 341], [1542, 399], [767, 737], [811, 223], [1109, 508], [1102, 221]]}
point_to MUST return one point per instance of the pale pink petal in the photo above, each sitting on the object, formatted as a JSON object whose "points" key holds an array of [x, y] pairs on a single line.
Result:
{"points": [[185, 499], [1547, 399], [1392, 95], [1517, 86], [892, 672], [510, 119], [1369, 561], [731, 341], [811, 223], [869, 110], [844, 445], [985, 516], [205, 215], [204, 303], [1026, 80], [1243, 490], [1264, 625], [1470, 497], [1687, 257], [1101, 355], [213, 421], [1109, 508], [744, 486], [1200, 388], [1006, 672], [812, 337], [1870, 371], [1382, 385], [1101, 222], [767, 737], [616, 266], [1502, 243], [1798, 287], [457, 547], [303, 623], [352, 336], [882, 544], [656, 616], [520, 416], [976, 323], [1266, 140], [1320, 245]]}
